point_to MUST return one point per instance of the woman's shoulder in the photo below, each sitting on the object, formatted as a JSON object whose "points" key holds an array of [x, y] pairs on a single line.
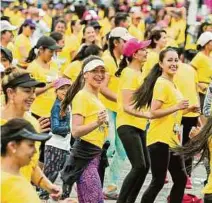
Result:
{"points": [[33, 65], [80, 95], [130, 73], [162, 82], [75, 64]]}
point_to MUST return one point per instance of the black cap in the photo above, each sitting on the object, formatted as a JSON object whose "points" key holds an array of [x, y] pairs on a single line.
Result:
{"points": [[24, 80], [10, 131], [7, 53], [47, 42]]}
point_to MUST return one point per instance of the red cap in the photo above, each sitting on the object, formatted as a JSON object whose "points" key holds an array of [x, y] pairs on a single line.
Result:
{"points": [[134, 45]]}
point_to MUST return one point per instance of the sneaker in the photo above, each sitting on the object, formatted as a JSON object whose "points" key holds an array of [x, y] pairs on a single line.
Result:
{"points": [[111, 196], [111, 188], [188, 183]]}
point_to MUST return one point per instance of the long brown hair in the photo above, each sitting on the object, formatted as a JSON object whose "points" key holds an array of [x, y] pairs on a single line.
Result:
{"points": [[198, 144]]}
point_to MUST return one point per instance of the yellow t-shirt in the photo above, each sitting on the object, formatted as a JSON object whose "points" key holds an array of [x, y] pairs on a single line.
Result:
{"points": [[129, 80], [73, 70], [88, 105], [203, 66], [111, 69], [152, 59], [208, 188], [21, 41], [161, 129], [43, 103], [15, 189], [27, 170], [136, 32], [186, 77]]}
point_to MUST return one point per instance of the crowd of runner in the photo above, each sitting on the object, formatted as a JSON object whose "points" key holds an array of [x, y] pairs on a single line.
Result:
{"points": [[86, 85]]}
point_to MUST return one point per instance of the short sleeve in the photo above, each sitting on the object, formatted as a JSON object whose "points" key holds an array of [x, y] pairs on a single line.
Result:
{"points": [[160, 92], [196, 61], [79, 105], [108, 65], [68, 72]]}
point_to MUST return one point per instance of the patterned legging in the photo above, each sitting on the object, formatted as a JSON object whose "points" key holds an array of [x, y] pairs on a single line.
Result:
{"points": [[54, 159], [89, 188]]}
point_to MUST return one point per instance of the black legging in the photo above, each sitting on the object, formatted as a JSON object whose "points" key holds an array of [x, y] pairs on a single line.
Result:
{"points": [[161, 161], [134, 142], [188, 123], [208, 198]]}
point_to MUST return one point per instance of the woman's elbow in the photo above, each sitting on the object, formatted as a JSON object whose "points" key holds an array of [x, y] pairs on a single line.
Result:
{"points": [[75, 133]]}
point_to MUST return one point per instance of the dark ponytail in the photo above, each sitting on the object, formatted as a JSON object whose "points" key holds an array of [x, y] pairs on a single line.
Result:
{"points": [[112, 47], [77, 85], [86, 51], [80, 54], [21, 29], [198, 144], [74, 88], [32, 56], [143, 95], [123, 64]]}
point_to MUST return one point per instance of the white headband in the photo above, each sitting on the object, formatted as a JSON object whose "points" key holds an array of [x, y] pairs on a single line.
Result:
{"points": [[92, 65]]}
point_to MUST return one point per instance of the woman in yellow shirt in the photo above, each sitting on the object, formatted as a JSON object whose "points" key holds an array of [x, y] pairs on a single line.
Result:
{"points": [[167, 105], [201, 143], [89, 121], [158, 43], [19, 91], [44, 70], [202, 63], [22, 43], [109, 88], [131, 123], [18, 138]]}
